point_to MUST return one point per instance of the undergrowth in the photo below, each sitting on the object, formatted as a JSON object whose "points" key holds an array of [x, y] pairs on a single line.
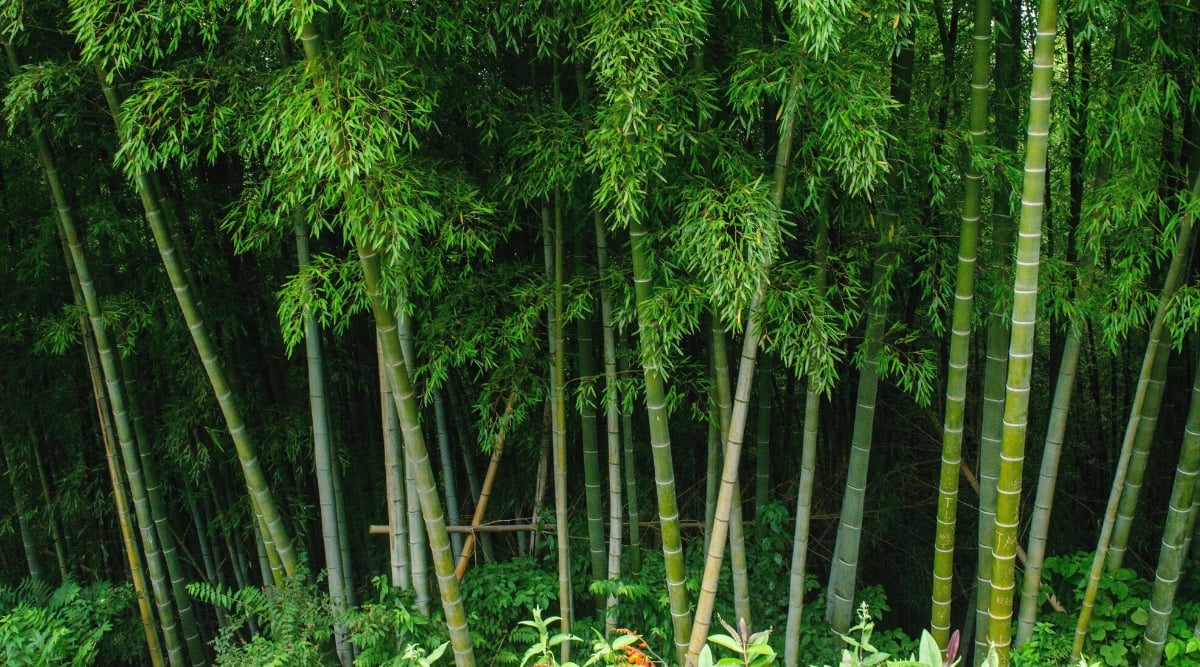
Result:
{"points": [[69, 625], [513, 611]]}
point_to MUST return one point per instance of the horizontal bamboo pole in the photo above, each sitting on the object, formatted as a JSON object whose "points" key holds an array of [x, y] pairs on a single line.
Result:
{"points": [[378, 529]]}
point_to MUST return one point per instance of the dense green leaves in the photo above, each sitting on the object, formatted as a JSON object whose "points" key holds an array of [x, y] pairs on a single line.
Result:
{"points": [[416, 144]]}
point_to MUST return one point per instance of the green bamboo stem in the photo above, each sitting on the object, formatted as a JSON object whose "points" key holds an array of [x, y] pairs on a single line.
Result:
{"points": [[56, 532], [331, 529], [734, 435], [418, 539], [612, 425], [660, 443], [1020, 354], [843, 575], [1007, 59], [1176, 532], [416, 453], [395, 481], [737, 540], [162, 526], [712, 462], [339, 507], [256, 481], [207, 557], [470, 462], [630, 470], [597, 546], [1140, 456], [448, 480], [559, 416], [960, 332], [762, 434], [733, 438], [18, 492], [273, 572], [125, 435], [489, 482], [65, 216], [808, 473], [1174, 271], [1039, 523], [150, 627]]}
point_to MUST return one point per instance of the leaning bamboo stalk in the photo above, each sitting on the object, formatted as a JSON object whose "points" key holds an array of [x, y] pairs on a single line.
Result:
{"points": [[737, 539], [247, 451], [734, 435], [1178, 261], [1176, 530], [133, 554], [485, 491]]}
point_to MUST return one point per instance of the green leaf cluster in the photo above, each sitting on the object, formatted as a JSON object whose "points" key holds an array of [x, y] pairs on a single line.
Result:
{"points": [[70, 625]]}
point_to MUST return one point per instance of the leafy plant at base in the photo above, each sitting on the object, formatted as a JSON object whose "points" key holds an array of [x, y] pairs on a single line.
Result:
{"points": [[70, 625], [770, 550], [386, 632], [863, 653], [639, 603], [1187, 650], [295, 625], [752, 650], [542, 651], [1118, 621], [498, 596]]}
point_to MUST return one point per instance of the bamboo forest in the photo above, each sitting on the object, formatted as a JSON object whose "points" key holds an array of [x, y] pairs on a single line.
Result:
{"points": [[560, 333]]}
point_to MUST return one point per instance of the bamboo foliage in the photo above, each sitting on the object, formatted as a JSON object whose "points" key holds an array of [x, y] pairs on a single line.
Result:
{"points": [[635, 50], [417, 137], [256, 482], [1179, 257], [404, 394]]}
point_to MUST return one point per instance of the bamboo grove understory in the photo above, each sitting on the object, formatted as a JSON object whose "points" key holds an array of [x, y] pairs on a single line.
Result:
{"points": [[765, 303]]}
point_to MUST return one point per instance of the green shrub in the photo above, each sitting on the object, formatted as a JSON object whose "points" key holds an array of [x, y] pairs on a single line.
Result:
{"points": [[294, 622], [387, 631], [1118, 618], [70, 625], [498, 596]]}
